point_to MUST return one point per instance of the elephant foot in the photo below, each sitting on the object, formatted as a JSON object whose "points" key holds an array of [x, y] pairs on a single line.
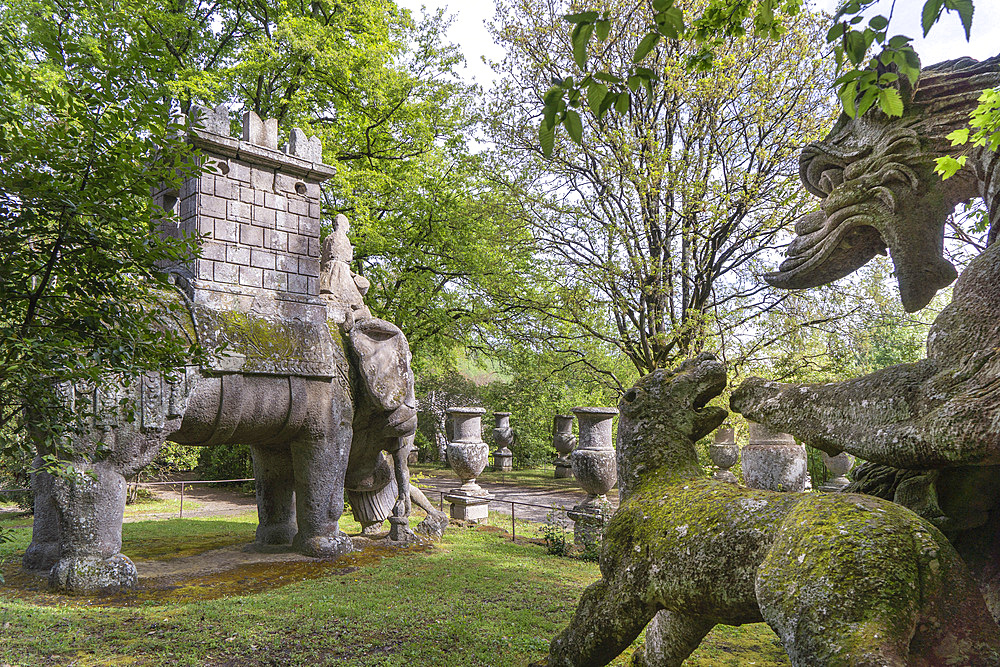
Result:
{"points": [[323, 546], [371, 529], [41, 556], [94, 574], [400, 533], [276, 535], [433, 526]]}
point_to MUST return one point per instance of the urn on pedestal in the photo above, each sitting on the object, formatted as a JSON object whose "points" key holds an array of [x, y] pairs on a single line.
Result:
{"points": [[503, 436], [467, 456], [724, 453], [595, 469], [838, 466], [774, 461], [564, 441]]}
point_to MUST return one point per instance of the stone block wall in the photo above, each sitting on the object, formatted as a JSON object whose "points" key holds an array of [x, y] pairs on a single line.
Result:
{"points": [[257, 213]]}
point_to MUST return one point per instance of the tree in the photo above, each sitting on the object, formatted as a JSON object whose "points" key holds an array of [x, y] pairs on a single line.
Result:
{"points": [[85, 135], [660, 217]]}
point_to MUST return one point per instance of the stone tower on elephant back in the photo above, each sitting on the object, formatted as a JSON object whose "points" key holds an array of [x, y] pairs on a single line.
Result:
{"points": [[256, 210]]}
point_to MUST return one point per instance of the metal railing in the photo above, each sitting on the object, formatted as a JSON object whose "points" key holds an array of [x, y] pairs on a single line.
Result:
{"points": [[512, 503]]}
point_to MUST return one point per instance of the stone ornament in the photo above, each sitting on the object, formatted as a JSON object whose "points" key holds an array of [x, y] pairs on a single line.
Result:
{"points": [[724, 453], [773, 461], [684, 552], [503, 436], [927, 430], [317, 404], [838, 466], [596, 471], [564, 442], [468, 456]]}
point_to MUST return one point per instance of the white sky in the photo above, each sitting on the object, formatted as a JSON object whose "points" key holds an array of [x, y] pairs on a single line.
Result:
{"points": [[946, 39]]}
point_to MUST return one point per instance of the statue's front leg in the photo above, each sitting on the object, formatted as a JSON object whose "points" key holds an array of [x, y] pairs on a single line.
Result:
{"points": [[90, 501], [275, 485], [46, 536], [906, 416]]}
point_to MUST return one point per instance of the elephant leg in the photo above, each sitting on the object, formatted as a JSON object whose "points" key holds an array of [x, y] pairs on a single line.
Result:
{"points": [[319, 494], [399, 522], [275, 483], [46, 536], [670, 639], [91, 503], [609, 618]]}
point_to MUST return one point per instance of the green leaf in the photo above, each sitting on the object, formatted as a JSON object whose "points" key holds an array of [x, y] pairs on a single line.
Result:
{"points": [[582, 17], [596, 93], [634, 82], [848, 96], [878, 23], [645, 46], [836, 32], [930, 14], [603, 29], [574, 126], [947, 166], [662, 5], [546, 138], [621, 104], [581, 37], [959, 137], [965, 10], [890, 102]]}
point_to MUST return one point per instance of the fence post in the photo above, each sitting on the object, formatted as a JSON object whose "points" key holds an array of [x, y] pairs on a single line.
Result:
{"points": [[513, 530], [182, 502]]}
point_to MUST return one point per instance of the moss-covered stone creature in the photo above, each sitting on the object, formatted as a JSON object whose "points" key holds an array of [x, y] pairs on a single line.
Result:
{"points": [[842, 579], [930, 429]]}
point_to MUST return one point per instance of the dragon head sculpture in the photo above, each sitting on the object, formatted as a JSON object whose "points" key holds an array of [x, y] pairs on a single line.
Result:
{"points": [[875, 175]]}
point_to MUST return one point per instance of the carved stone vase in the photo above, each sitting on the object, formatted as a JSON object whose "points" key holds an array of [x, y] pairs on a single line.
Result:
{"points": [[564, 441], [838, 466], [774, 461], [468, 456], [724, 453], [503, 436], [595, 469]]}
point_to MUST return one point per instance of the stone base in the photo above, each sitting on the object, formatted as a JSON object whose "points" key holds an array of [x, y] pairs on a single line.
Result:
{"points": [[503, 461], [563, 469], [725, 476], [775, 467], [834, 484], [589, 521], [474, 509]]}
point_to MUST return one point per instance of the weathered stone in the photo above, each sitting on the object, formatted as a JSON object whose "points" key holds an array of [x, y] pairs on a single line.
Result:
{"points": [[564, 442], [594, 459], [838, 467], [503, 436], [774, 461], [928, 428], [724, 453], [843, 579]]}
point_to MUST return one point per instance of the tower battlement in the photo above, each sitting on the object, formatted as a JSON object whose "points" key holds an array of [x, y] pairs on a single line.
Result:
{"points": [[256, 211]]}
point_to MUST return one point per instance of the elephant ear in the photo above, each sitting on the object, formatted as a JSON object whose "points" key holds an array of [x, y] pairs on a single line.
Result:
{"points": [[382, 356]]}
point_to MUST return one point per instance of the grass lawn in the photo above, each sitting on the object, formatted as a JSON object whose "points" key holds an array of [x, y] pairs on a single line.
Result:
{"points": [[542, 477], [475, 599]]}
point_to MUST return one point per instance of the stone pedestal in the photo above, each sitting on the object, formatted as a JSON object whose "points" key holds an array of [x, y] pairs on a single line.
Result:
{"points": [[589, 522], [468, 456], [838, 466], [773, 461], [724, 453], [503, 436], [595, 469], [564, 441]]}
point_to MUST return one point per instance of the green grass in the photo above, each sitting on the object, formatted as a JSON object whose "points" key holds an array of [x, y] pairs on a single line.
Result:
{"points": [[542, 477], [475, 599]]}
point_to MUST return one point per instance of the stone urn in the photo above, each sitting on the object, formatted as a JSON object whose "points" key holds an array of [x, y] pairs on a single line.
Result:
{"points": [[564, 441], [838, 467], [468, 456], [503, 436], [774, 461], [724, 453], [595, 469]]}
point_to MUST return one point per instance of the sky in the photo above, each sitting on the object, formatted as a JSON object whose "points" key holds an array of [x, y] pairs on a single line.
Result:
{"points": [[946, 39]]}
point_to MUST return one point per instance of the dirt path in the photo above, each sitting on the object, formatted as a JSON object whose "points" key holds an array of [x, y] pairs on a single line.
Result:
{"points": [[206, 499]]}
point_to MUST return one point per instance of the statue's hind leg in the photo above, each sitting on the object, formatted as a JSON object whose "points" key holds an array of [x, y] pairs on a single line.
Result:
{"points": [[91, 502], [850, 580], [275, 483], [609, 618], [670, 639], [45, 547]]}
